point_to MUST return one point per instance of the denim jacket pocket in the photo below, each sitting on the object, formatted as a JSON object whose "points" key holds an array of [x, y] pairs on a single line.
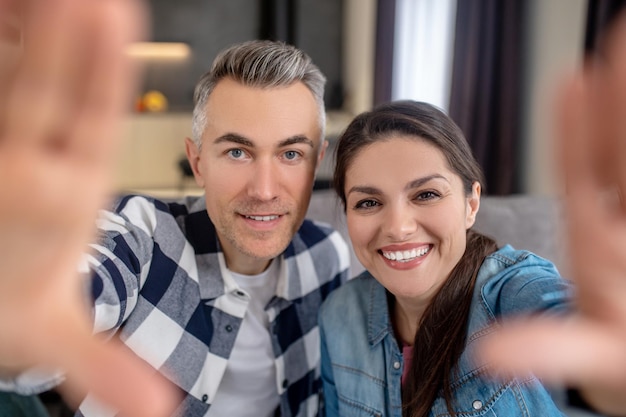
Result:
{"points": [[352, 408], [362, 393], [477, 395]]}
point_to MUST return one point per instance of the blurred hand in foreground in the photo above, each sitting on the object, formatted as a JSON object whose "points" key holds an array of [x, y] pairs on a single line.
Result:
{"points": [[65, 85], [588, 351]]}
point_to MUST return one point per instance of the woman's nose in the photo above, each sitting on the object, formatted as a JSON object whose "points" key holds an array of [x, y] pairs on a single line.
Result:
{"points": [[401, 222]]}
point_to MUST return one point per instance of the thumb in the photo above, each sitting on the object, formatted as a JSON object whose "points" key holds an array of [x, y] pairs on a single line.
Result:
{"points": [[572, 352]]}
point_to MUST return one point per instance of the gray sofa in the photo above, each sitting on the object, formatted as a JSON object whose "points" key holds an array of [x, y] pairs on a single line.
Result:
{"points": [[524, 221]]}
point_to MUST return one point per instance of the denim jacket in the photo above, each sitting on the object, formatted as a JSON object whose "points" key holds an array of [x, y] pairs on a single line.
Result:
{"points": [[362, 363]]}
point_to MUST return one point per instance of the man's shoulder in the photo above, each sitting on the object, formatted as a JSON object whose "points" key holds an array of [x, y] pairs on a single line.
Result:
{"points": [[313, 232], [320, 238], [174, 206], [142, 215]]}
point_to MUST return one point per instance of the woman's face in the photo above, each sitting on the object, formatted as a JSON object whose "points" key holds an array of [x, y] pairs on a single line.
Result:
{"points": [[407, 215]]}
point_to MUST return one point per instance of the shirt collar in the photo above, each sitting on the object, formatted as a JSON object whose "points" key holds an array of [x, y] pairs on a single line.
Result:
{"points": [[379, 322]]}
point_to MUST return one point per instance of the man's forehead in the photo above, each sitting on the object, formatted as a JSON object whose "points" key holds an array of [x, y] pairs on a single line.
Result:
{"points": [[296, 96], [263, 116]]}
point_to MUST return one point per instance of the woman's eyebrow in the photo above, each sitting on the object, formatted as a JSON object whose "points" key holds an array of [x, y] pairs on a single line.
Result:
{"points": [[421, 181], [364, 189]]}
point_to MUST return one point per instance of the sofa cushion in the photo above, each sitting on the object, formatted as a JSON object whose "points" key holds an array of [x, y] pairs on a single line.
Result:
{"points": [[523, 221]]}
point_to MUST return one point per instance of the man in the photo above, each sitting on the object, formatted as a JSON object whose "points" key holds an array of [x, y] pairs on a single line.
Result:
{"points": [[221, 293]]}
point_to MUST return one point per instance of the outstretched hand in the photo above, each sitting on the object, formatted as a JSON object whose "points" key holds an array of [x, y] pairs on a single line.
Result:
{"points": [[65, 85], [588, 351]]}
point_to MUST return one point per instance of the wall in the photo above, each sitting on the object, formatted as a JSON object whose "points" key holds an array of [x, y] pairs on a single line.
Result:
{"points": [[556, 39], [153, 145], [210, 26], [555, 43], [359, 41], [155, 142]]}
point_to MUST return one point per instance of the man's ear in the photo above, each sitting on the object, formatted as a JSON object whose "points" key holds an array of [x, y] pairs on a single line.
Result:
{"points": [[473, 205], [193, 156]]}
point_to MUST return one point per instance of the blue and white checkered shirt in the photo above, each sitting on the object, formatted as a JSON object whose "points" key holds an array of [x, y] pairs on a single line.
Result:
{"points": [[162, 285]]}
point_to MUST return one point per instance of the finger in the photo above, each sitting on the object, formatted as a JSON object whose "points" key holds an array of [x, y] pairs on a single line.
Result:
{"points": [[10, 38], [572, 353], [572, 131], [9, 23], [606, 80], [40, 101], [142, 392], [615, 86], [109, 83], [592, 224]]}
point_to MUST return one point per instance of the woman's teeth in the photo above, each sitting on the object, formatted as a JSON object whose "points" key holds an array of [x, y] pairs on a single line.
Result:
{"points": [[406, 255]]}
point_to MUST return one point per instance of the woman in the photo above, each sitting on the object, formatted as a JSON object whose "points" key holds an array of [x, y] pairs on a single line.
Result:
{"points": [[400, 339]]}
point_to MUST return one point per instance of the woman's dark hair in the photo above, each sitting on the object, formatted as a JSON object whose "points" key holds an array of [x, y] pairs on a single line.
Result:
{"points": [[441, 335]]}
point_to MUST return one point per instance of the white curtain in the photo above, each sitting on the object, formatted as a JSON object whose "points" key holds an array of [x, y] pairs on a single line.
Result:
{"points": [[423, 50]]}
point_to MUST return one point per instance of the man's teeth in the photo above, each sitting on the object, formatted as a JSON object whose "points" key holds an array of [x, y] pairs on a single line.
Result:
{"points": [[407, 255], [262, 218]]}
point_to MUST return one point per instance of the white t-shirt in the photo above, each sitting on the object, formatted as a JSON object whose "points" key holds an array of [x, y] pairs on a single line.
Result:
{"points": [[249, 386]]}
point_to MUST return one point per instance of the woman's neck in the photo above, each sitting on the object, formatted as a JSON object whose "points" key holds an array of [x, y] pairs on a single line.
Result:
{"points": [[406, 317]]}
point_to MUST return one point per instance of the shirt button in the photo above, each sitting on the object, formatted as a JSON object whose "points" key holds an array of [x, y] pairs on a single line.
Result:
{"points": [[477, 405], [240, 293], [396, 365], [228, 328], [205, 398], [285, 383]]}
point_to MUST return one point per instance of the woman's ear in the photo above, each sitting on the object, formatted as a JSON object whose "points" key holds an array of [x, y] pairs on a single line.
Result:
{"points": [[193, 156], [473, 205]]}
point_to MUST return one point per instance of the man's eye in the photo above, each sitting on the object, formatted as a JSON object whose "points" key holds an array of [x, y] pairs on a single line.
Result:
{"points": [[291, 155], [236, 153]]}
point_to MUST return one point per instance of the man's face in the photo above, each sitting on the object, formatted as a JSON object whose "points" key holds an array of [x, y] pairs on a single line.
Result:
{"points": [[257, 163]]}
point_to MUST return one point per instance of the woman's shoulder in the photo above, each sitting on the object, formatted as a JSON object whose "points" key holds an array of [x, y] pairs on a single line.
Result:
{"points": [[354, 294], [508, 263], [508, 256], [519, 280]]}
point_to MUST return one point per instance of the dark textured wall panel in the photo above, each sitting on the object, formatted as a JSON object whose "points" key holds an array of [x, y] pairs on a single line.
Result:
{"points": [[211, 25]]}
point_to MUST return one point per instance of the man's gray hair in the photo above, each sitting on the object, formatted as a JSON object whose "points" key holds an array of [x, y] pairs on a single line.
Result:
{"points": [[263, 64]]}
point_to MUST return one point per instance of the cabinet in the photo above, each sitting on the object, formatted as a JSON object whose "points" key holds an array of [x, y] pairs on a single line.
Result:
{"points": [[153, 145]]}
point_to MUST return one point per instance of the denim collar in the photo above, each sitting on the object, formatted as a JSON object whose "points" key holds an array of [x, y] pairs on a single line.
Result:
{"points": [[379, 322]]}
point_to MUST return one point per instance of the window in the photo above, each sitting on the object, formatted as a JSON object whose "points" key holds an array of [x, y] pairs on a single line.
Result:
{"points": [[424, 45]]}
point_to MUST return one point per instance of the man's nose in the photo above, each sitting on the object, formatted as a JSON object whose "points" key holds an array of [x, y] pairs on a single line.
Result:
{"points": [[265, 180]]}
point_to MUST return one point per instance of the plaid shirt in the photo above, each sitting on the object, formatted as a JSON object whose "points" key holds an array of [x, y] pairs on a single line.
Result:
{"points": [[162, 285]]}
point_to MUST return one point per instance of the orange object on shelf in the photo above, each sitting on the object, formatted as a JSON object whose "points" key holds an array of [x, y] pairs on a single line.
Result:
{"points": [[154, 101]]}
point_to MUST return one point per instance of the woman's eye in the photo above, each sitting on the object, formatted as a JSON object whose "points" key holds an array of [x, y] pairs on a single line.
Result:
{"points": [[236, 153], [291, 155], [366, 204], [427, 195]]}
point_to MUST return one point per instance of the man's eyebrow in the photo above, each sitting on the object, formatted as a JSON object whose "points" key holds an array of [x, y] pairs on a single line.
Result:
{"points": [[296, 139], [234, 138], [240, 140]]}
